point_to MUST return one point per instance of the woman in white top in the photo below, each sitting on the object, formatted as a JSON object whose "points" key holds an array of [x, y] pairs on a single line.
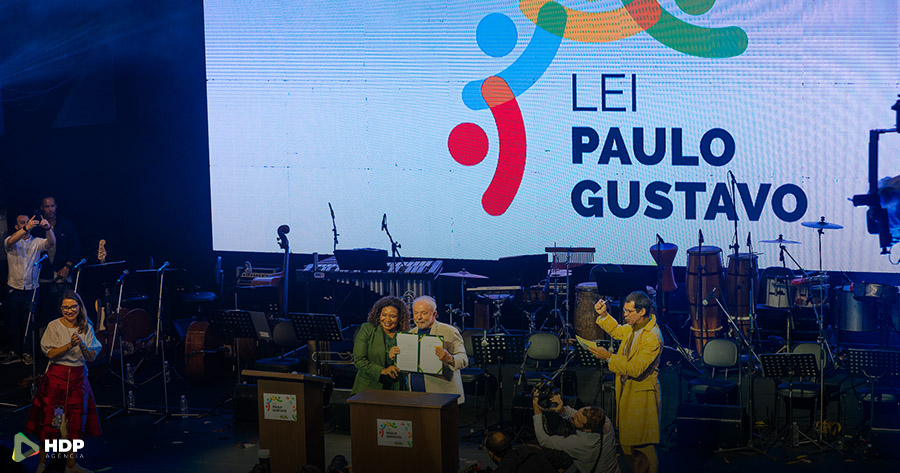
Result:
{"points": [[64, 403]]}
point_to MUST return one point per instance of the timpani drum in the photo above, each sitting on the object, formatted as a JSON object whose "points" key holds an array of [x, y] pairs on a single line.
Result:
{"points": [[586, 296], [704, 273], [740, 277]]}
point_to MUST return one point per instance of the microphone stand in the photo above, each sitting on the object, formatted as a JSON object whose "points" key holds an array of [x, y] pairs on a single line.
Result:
{"points": [[31, 323], [790, 320], [395, 255], [333, 227], [745, 343], [699, 316]]}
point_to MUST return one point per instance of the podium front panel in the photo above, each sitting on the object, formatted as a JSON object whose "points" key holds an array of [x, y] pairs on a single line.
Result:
{"points": [[434, 442]]}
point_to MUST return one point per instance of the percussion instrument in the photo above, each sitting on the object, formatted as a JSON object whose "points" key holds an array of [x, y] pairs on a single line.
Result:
{"points": [[778, 292], [822, 225], [463, 274], [742, 267], [855, 315], [781, 241], [137, 329], [586, 296], [704, 273], [810, 291], [664, 255]]}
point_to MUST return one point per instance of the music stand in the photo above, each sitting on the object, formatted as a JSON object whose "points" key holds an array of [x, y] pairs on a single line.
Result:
{"points": [[238, 324], [873, 365], [789, 365], [316, 328], [499, 348]]}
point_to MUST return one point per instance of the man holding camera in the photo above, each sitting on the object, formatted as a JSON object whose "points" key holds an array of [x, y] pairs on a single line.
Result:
{"points": [[593, 445], [636, 366], [22, 252]]}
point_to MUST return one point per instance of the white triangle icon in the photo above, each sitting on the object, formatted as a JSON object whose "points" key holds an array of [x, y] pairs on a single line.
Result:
{"points": [[18, 454]]}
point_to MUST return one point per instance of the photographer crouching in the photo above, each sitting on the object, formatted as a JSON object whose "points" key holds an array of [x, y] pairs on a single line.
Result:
{"points": [[592, 447]]}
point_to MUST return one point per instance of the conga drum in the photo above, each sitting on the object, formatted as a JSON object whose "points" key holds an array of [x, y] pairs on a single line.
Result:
{"points": [[704, 272], [664, 255], [586, 296], [742, 269]]}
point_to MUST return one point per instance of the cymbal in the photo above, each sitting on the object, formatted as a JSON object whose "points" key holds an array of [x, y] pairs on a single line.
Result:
{"points": [[780, 240], [463, 274], [823, 225]]}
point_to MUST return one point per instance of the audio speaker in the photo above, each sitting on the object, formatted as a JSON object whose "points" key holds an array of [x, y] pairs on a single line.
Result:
{"points": [[712, 425], [244, 403], [338, 410]]}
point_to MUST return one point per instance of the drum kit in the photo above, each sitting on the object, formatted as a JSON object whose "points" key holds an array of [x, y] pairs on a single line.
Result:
{"points": [[781, 288]]}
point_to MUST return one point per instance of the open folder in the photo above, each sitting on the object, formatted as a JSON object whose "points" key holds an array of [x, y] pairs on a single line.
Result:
{"points": [[417, 353]]}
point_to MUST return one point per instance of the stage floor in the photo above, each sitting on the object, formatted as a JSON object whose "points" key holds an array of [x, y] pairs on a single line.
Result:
{"points": [[215, 442]]}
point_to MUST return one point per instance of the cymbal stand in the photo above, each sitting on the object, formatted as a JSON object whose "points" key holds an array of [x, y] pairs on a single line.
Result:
{"points": [[496, 326], [825, 352]]}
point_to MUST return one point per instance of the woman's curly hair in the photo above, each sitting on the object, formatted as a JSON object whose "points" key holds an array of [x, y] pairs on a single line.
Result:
{"points": [[390, 301]]}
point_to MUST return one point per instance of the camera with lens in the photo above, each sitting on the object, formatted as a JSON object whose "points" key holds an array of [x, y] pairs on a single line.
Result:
{"points": [[543, 392]]}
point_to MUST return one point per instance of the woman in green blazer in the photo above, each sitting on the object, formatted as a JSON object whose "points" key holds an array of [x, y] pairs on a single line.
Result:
{"points": [[372, 347]]}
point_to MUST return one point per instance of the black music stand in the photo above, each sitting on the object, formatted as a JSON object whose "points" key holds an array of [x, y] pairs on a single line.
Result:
{"points": [[497, 349], [789, 365], [874, 365], [238, 324], [316, 328]]}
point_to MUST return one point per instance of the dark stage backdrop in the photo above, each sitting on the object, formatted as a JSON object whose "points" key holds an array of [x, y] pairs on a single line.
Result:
{"points": [[104, 107]]}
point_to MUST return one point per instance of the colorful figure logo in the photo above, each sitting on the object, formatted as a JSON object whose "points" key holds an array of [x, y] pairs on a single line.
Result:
{"points": [[496, 36]]}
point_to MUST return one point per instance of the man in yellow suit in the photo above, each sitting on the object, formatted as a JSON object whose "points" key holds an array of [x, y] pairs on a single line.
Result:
{"points": [[636, 366]]}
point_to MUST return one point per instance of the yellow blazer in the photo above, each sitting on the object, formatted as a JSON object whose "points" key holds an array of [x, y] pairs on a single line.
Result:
{"points": [[638, 398]]}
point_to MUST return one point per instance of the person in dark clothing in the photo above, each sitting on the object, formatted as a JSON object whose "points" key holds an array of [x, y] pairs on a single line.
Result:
{"points": [[57, 276], [524, 459]]}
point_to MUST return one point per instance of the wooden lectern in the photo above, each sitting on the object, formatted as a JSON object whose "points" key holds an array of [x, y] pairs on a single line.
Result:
{"points": [[404, 431], [291, 418]]}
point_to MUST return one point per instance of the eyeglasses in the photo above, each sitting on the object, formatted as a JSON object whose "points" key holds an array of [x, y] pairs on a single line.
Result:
{"points": [[69, 308]]}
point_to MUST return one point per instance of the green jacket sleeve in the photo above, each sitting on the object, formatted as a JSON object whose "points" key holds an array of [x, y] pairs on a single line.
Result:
{"points": [[361, 348]]}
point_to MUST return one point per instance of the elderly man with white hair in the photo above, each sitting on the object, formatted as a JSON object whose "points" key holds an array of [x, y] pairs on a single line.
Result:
{"points": [[452, 353]]}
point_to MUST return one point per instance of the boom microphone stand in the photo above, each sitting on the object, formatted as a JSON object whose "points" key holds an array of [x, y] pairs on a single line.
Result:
{"points": [[395, 254]]}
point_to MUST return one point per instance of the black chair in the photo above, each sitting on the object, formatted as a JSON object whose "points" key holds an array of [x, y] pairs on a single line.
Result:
{"points": [[544, 346], [719, 353], [475, 376], [198, 298], [803, 393], [285, 338]]}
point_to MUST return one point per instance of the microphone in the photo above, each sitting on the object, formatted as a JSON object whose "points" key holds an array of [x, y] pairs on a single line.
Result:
{"points": [[710, 296], [484, 342], [122, 277], [79, 264], [748, 239], [164, 266], [733, 180], [384, 222], [42, 259], [659, 239], [332, 210], [701, 236]]}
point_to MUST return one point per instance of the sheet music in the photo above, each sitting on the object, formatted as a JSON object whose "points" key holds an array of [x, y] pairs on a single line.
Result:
{"points": [[408, 358]]}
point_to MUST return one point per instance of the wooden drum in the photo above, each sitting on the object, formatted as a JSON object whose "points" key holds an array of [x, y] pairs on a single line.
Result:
{"points": [[586, 296], [742, 270], [704, 272]]}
